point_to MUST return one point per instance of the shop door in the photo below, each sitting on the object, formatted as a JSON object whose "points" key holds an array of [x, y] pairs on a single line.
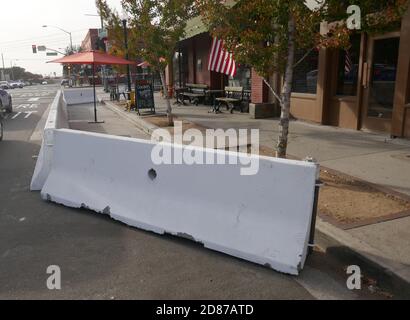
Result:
{"points": [[379, 82]]}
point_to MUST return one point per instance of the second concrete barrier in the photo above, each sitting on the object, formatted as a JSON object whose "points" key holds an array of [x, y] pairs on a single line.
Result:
{"points": [[264, 218]]}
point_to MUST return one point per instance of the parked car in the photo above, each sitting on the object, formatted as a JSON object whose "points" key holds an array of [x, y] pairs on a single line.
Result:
{"points": [[1, 124], [21, 84], [6, 102], [65, 82], [14, 85], [6, 105], [4, 85], [44, 82]]}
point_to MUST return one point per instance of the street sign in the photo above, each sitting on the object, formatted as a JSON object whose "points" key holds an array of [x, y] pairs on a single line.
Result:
{"points": [[102, 33], [51, 53], [41, 48]]}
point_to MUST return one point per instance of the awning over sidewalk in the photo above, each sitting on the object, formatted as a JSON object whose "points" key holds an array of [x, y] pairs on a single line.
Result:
{"points": [[93, 58], [196, 26]]}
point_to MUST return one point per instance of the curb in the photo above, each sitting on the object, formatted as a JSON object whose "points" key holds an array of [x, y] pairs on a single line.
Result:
{"points": [[329, 237], [143, 125], [337, 243]]}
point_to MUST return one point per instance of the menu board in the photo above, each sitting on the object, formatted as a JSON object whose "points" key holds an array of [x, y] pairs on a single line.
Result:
{"points": [[144, 93]]}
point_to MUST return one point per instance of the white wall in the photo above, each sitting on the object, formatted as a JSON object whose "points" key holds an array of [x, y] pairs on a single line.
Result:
{"points": [[263, 218], [78, 95], [57, 118]]}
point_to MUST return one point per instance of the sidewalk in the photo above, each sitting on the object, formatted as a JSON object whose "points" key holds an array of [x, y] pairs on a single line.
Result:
{"points": [[81, 117], [371, 157]]}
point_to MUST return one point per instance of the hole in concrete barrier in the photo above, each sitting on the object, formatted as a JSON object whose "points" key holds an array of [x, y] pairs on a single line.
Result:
{"points": [[152, 174]]}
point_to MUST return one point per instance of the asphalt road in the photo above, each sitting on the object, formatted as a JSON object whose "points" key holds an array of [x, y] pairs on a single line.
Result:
{"points": [[100, 258]]}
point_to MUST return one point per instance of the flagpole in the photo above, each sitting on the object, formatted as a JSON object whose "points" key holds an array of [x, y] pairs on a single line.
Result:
{"points": [[95, 102], [95, 99]]}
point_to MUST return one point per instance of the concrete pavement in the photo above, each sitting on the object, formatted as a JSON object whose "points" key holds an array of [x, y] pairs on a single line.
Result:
{"points": [[103, 259], [372, 157]]}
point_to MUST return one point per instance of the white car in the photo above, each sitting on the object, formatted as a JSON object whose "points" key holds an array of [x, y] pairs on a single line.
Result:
{"points": [[14, 85], [6, 103], [44, 82], [4, 85]]}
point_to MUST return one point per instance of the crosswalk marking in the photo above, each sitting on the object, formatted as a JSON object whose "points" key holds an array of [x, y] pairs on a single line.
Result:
{"points": [[16, 115], [27, 114], [27, 106]]}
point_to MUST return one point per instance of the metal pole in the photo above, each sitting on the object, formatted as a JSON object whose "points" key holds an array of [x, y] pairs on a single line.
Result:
{"points": [[95, 102], [318, 184], [314, 215], [180, 66], [2, 70], [12, 71], [71, 42], [124, 24]]}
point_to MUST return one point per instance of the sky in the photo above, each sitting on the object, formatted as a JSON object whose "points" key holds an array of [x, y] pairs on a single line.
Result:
{"points": [[21, 24]]}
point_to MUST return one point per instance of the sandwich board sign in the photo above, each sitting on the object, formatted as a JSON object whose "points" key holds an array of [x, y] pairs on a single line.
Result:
{"points": [[144, 96]]}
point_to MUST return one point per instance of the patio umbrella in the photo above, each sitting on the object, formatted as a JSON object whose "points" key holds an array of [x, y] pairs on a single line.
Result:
{"points": [[93, 58]]}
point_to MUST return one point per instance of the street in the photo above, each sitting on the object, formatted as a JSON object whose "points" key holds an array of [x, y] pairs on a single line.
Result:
{"points": [[100, 258]]}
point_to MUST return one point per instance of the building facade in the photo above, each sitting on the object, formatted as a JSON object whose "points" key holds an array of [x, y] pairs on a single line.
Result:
{"points": [[90, 41], [364, 88]]}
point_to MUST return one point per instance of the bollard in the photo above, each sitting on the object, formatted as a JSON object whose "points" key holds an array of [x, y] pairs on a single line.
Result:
{"points": [[318, 184]]}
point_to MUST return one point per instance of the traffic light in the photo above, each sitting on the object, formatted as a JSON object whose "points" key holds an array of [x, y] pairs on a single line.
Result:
{"points": [[34, 48]]}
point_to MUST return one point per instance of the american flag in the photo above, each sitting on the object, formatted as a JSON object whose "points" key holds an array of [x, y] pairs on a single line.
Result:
{"points": [[221, 60], [348, 62]]}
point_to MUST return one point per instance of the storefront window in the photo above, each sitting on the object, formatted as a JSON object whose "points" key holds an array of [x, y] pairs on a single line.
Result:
{"points": [[306, 73], [383, 78], [242, 78], [348, 71], [180, 64]]}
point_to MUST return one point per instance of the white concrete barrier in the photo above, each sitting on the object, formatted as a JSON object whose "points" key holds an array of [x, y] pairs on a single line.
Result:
{"points": [[57, 119], [78, 95], [263, 218]]}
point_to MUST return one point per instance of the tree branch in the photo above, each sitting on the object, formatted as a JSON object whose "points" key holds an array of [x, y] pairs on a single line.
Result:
{"points": [[303, 58], [273, 91]]}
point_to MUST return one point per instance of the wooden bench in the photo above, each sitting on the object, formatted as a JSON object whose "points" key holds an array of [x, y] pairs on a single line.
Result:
{"points": [[193, 92], [115, 93], [233, 96]]}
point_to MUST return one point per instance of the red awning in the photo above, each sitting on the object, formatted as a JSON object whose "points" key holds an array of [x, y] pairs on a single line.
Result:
{"points": [[144, 64], [92, 57]]}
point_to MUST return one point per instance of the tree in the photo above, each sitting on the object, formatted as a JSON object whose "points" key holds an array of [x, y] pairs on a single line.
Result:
{"points": [[155, 27], [266, 33], [72, 69], [21, 74]]}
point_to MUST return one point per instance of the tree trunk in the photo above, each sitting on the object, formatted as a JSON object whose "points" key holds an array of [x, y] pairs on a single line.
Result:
{"points": [[286, 93], [168, 102]]}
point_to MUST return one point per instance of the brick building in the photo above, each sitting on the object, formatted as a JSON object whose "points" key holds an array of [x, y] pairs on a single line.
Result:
{"points": [[90, 41], [364, 88]]}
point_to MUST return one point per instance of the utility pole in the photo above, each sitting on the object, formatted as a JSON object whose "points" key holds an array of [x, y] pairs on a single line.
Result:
{"points": [[12, 71], [103, 68], [2, 70], [124, 24]]}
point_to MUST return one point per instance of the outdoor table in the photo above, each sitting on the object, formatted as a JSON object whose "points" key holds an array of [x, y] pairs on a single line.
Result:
{"points": [[132, 102], [213, 95], [178, 93]]}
